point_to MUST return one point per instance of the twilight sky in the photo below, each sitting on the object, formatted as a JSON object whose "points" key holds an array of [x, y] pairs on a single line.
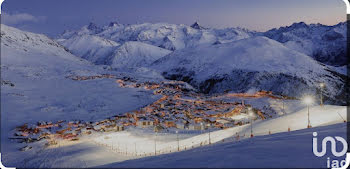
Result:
{"points": [[52, 17]]}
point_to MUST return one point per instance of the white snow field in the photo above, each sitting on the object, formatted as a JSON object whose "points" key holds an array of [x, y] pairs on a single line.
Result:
{"points": [[125, 142], [38, 67], [283, 150]]}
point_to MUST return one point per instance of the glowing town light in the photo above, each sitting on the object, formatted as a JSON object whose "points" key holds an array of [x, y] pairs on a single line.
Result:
{"points": [[322, 85], [178, 141], [308, 100], [251, 115], [250, 109]]}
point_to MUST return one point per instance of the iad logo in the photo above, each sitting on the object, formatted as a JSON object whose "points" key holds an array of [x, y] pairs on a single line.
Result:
{"points": [[335, 163]]}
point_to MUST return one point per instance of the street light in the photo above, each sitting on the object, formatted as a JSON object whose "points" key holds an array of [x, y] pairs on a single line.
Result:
{"points": [[284, 112], [308, 100], [201, 127], [155, 145], [178, 143], [251, 115], [209, 133], [135, 150], [322, 85]]}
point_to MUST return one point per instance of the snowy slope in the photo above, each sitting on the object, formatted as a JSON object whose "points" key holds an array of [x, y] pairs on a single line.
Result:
{"points": [[134, 55], [326, 44], [284, 150], [90, 47], [26, 42], [37, 67], [319, 116], [252, 63]]}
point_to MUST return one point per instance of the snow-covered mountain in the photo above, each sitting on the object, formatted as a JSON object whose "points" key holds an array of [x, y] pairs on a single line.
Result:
{"points": [[257, 63], [35, 87], [31, 52], [216, 60], [134, 55], [326, 44], [90, 47], [168, 36], [141, 44], [90, 29], [34, 71]]}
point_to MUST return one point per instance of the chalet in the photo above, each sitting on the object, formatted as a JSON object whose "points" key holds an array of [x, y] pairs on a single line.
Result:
{"points": [[226, 125], [223, 121], [120, 127], [196, 126], [86, 131], [144, 123], [180, 125], [115, 128], [158, 128], [198, 119], [169, 123], [97, 127]]}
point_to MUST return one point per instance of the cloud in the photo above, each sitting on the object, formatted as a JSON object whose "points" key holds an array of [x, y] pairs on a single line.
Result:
{"points": [[19, 18]]}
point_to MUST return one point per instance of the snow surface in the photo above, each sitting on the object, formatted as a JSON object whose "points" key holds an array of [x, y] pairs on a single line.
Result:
{"points": [[135, 55], [233, 58], [254, 54], [145, 145], [168, 36], [284, 150], [38, 67], [90, 47], [326, 44], [256, 63]]}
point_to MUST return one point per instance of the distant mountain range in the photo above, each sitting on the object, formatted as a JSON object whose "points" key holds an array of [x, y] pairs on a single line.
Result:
{"points": [[290, 60], [326, 44]]}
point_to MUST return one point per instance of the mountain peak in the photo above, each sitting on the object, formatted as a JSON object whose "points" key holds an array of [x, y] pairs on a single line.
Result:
{"points": [[92, 26], [196, 25], [299, 25], [111, 24]]}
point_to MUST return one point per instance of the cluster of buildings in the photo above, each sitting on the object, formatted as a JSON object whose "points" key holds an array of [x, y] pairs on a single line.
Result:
{"points": [[183, 108], [64, 130], [179, 107], [91, 77]]}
